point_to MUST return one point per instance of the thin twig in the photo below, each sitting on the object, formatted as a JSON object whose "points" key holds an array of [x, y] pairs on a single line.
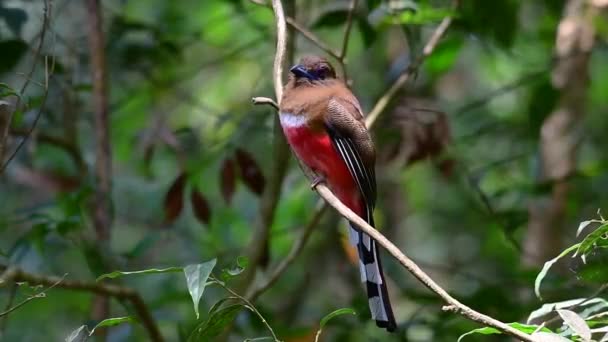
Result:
{"points": [[306, 33], [408, 72], [43, 30], [453, 304], [312, 38], [265, 101], [58, 142], [14, 275], [301, 242], [345, 40], [281, 154], [38, 295], [295, 251], [248, 305]]}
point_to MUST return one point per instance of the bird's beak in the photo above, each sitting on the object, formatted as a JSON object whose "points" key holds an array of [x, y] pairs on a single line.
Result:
{"points": [[300, 71]]}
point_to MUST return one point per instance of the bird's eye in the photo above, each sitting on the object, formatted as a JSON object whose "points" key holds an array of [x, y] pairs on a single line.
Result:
{"points": [[323, 71]]}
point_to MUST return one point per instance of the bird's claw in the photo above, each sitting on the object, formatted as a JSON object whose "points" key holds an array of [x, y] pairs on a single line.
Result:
{"points": [[316, 181]]}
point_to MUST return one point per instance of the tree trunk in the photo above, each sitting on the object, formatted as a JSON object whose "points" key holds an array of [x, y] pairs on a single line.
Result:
{"points": [[102, 216], [560, 132]]}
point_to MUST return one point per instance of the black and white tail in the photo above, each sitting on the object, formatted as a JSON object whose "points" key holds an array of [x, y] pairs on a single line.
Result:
{"points": [[373, 278]]}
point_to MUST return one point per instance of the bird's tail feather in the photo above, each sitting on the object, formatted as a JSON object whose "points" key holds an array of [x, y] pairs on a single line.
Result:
{"points": [[373, 277]]}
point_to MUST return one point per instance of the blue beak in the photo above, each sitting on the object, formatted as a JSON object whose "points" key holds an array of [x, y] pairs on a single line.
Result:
{"points": [[300, 71]]}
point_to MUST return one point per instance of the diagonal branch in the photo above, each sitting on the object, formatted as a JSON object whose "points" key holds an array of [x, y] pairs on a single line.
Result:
{"points": [[295, 251], [8, 117], [453, 305], [409, 71], [378, 109]]}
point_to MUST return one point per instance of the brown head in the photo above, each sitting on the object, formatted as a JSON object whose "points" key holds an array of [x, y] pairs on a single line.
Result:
{"points": [[311, 70]]}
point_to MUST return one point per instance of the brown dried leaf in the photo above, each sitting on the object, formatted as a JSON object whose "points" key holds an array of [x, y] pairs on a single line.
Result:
{"points": [[250, 172], [200, 206], [228, 179], [174, 199], [423, 133]]}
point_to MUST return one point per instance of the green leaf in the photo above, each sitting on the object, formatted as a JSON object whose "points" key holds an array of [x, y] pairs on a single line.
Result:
{"points": [[196, 277], [219, 303], [12, 51], [215, 324], [241, 264], [592, 305], [339, 312], [576, 323], [331, 17], [78, 335], [590, 240], [444, 56], [109, 322], [423, 15], [541, 275], [15, 18], [328, 317], [368, 33], [528, 329], [544, 336], [6, 90], [116, 274], [497, 20], [582, 226]]}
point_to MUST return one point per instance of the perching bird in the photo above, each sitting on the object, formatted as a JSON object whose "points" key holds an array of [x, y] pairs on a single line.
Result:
{"points": [[324, 125]]}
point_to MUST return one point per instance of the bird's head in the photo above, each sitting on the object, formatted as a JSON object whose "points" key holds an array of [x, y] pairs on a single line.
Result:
{"points": [[312, 69]]}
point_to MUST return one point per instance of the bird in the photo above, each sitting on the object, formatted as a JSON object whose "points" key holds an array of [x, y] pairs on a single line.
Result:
{"points": [[324, 125]]}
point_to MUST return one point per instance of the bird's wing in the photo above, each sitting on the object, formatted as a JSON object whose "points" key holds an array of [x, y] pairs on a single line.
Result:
{"points": [[351, 139], [346, 127]]}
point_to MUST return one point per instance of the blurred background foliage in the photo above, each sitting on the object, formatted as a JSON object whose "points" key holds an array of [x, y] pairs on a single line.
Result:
{"points": [[463, 182]]}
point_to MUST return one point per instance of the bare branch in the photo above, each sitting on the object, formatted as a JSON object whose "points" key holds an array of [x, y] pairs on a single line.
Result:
{"points": [[407, 73], [345, 40], [14, 275], [453, 304], [349, 25], [8, 118], [313, 38], [295, 251], [265, 101], [248, 305], [277, 72], [258, 248], [101, 210]]}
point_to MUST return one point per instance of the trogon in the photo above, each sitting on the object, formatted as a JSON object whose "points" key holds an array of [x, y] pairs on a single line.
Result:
{"points": [[324, 125]]}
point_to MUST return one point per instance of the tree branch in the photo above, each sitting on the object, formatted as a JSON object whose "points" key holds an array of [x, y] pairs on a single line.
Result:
{"points": [[102, 212], [259, 246], [295, 251], [15, 275], [453, 304], [58, 142], [409, 71], [345, 40], [7, 119]]}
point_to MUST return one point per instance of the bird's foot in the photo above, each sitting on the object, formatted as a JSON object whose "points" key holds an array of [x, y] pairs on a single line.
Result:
{"points": [[316, 181]]}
